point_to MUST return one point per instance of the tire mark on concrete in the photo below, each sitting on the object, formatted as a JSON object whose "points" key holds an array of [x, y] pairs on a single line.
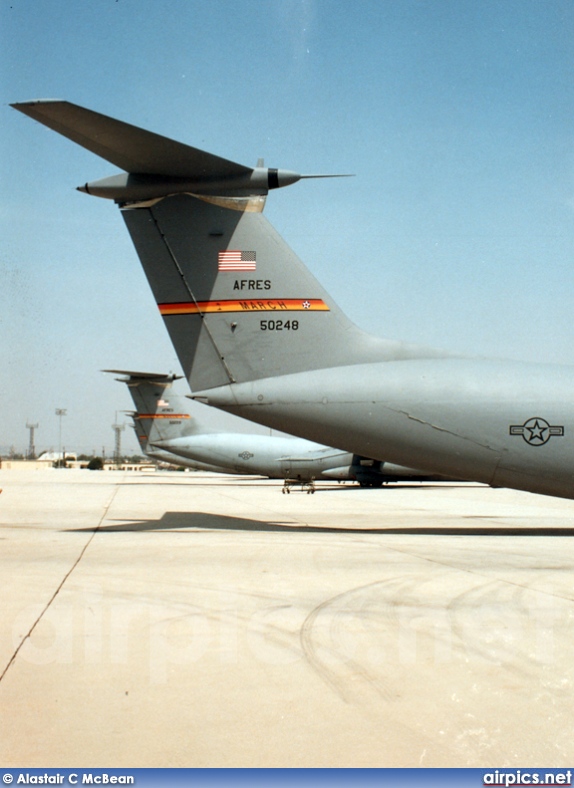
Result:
{"points": [[346, 668], [505, 627]]}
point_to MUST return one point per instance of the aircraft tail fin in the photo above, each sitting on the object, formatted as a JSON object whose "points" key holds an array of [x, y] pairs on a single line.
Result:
{"points": [[161, 414], [238, 303]]}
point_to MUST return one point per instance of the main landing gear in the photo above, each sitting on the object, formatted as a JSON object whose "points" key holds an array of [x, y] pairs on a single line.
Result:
{"points": [[289, 483]]}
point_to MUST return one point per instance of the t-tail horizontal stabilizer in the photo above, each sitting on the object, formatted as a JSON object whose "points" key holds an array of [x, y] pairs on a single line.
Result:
{"points": [[154, 166]]}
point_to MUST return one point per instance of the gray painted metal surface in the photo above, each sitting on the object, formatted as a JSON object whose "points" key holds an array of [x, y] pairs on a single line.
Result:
{"points": [[257, 335], [167, 431]]}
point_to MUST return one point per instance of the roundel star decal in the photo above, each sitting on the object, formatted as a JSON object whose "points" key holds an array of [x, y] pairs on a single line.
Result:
{"points": [[536, 431]]}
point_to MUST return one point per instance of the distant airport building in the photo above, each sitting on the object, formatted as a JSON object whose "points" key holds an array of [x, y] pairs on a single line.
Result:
{"points": [[56, 456]]}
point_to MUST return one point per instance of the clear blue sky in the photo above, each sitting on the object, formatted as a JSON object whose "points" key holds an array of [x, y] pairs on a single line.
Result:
{"points": [[457, 231]]}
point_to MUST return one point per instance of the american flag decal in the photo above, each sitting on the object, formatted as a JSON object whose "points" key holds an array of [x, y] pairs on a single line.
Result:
{"points": [[236, 260]]}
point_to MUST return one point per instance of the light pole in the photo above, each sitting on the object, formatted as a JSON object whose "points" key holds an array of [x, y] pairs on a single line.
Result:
{"points": [[31, 446], [117, 428], [60, 412]]}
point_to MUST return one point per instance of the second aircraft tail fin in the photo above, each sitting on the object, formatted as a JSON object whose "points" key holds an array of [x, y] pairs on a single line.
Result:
{"points": [[161, 414]]}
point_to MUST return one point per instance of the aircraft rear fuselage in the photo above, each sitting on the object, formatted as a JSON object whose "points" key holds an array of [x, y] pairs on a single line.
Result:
{"points": [[499, 422], [275, 456]]}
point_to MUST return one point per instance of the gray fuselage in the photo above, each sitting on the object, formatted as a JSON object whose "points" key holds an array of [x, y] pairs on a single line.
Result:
{"points": [[499, 422]]}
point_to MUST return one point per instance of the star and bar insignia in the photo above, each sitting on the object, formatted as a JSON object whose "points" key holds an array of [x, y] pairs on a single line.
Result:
{"points": [[536, 431]]}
